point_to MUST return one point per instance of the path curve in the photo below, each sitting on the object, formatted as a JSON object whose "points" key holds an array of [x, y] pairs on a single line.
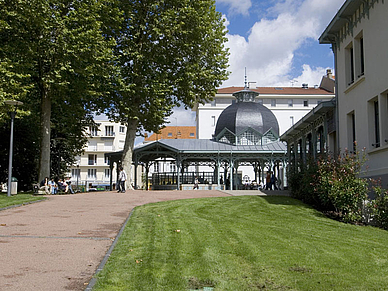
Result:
{"points": [[57, 244]]}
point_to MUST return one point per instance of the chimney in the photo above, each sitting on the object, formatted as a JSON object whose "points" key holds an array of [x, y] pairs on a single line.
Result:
{"points": [[252, 85], [329, 74], [305, 86]]}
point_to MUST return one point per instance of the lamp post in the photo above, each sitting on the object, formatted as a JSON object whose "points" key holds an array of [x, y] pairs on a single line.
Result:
{"points": [[78, 173], [14, 104]]}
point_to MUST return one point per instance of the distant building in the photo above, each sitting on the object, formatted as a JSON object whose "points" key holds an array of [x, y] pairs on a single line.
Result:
{"points": [[288, 104], [93, 169], [173, 132]]}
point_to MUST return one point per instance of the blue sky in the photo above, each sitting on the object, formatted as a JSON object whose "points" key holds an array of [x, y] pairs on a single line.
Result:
{"points": [[277, 40]]}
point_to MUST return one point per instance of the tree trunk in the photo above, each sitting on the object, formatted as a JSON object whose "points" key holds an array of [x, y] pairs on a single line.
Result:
{"points": [[128, 150], [45, 135]]}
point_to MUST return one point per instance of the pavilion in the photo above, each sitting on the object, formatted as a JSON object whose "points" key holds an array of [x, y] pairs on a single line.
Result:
{"points": [[247, 134]]}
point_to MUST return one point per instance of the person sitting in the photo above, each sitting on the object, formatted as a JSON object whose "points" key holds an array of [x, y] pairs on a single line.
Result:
{"points": [[45, 186], [62, 185], [53, 186]]}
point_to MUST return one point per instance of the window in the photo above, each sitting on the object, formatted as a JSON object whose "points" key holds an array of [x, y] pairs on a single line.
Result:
{"points": [[92, 160], [260, 101], [169, 134], [156, 167], [109, 130], [93, 130], [305, 103], [320, 145], [376, 124], [172, 168], [107, 161], [352, 131], [192, 134], [213, 121], [92, 173], [213, 103], [349, 63], [273, 102], [359, 55], [76, 173], [290, 103], [107, 173], [362, 66], [121, 129], [291, 120]]}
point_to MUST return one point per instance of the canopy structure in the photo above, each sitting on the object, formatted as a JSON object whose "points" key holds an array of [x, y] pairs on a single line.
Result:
{"points": [[202, 152]]}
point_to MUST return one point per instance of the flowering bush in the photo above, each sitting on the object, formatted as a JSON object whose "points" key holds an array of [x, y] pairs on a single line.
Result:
{"points": [[338, 184], [332, 185]]}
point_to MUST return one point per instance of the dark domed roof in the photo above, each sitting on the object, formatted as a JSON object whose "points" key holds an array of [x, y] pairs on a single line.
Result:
{"points": [[241, 115]]}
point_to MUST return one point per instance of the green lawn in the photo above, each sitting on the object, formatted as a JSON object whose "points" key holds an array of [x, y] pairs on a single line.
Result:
{"points": [[17, 199], [244, 243]]}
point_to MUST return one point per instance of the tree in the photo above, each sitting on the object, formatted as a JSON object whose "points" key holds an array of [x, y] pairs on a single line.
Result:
{"points": [[59, 50], [169, 53]]}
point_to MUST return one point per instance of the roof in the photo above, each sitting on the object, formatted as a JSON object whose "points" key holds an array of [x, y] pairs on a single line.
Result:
{"points": [[340, 19], [207, 145], [306, 120], [278, 90], [241, 115], [173, 132]]}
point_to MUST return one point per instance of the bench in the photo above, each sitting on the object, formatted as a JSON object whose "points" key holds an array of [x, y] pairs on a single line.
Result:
{"points": [[36, 189]]}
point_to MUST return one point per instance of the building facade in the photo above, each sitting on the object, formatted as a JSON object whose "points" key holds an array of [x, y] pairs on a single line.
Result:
{"points": [[168, 165], [359, 39], [288, 104], [92, 169]]}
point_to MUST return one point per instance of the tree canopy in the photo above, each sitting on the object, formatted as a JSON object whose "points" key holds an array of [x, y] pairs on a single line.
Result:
{"points": [[169, 53], [60, 59]]}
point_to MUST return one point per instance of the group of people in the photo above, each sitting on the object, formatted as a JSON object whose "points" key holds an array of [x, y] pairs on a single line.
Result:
{"points": [[55, 187], [271, 182]]}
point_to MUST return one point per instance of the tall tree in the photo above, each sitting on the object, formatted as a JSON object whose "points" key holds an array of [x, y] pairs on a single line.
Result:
{"points": [[170, 53], [61, 51]]}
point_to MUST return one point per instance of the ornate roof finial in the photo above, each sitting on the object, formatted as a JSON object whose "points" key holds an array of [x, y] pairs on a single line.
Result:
{"points": [[246, 79]]}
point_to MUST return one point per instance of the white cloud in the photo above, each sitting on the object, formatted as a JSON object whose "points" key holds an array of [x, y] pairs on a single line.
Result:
{"points": [[181, 117], [269, 50], [237, 6]]}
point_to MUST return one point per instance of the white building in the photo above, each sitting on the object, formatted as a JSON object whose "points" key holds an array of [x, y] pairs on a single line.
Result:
{"points": [[289, 104], [92, 169], [359, 37]]}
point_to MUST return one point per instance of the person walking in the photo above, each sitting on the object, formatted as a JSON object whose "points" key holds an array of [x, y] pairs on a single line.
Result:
{"points": [[196, 182], [122, 179]]}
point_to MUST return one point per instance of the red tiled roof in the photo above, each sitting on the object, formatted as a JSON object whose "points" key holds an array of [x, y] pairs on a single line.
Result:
{"points": [[173, 132], [278, 90]]}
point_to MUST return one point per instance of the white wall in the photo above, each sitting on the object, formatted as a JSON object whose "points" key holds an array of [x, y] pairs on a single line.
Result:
{"points": [[359, 96]]}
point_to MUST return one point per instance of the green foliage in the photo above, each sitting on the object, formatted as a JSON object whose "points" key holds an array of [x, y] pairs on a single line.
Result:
{"points": [[379, 207], [25, 151], [333, 184], [57, 59], [339, 184], [243, 243], [18, 199], [302, 183], [169, 53]]}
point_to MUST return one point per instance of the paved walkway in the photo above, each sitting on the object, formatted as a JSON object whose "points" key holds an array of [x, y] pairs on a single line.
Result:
{"points": [[58, 244]]}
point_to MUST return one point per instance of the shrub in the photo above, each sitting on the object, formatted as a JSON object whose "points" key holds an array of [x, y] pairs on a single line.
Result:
{"points": [[379, 207], [332, 185]]}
